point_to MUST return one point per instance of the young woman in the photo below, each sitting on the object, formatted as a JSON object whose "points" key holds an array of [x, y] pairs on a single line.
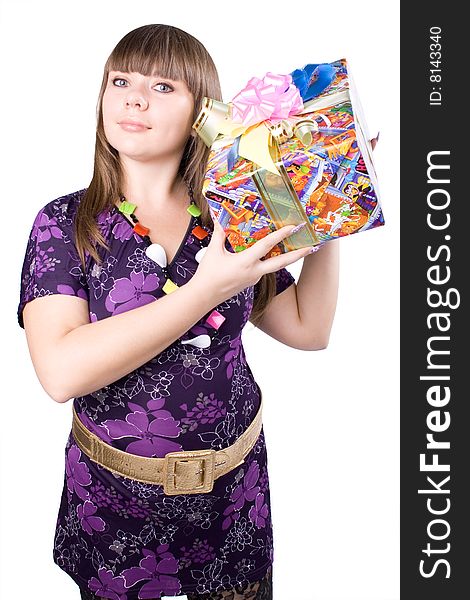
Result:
{"points": [[149, 379]]}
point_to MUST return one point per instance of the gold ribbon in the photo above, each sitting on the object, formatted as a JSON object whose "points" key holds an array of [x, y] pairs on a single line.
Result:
{"points": [[259, 143]]}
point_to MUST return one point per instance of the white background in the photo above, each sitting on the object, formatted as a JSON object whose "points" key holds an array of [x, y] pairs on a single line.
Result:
{"points": [[331, 417]]}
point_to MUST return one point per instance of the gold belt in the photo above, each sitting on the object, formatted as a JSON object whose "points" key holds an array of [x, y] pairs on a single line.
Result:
{"points": [[185, 472]]}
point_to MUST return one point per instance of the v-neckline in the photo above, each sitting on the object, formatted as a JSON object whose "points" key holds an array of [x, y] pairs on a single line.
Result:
{"points": [[180, 247]]}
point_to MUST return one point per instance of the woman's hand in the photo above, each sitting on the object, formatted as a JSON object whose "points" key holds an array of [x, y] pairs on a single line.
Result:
{"points": [[374, 141], [224, 274]]}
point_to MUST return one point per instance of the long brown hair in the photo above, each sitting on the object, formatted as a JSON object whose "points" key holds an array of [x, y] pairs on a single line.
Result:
{"points": [[177, 55]]}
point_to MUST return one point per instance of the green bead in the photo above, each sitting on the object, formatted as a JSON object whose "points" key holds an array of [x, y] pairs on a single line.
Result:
{"points": [[127, 207], [194, 210]]}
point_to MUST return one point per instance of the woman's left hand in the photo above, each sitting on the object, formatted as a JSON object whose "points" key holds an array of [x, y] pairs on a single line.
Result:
{"points": [[374, 141]]}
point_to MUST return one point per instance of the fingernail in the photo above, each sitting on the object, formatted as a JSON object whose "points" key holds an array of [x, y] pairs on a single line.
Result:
{"points": [[297, 227], [314, 249]]}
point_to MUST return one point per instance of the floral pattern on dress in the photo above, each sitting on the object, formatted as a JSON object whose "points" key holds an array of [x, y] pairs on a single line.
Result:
{"points": [[117, 537]]}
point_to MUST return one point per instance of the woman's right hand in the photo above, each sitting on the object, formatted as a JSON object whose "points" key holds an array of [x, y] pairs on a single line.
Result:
{"points": [[223, 274]]}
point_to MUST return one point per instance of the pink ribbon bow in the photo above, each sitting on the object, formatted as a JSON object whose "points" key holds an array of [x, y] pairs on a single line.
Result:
{"points": [[273, 97]]}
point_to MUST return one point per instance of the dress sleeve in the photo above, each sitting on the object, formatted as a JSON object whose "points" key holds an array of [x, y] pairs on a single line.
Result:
{"points": [[283, 280], [51, 264]]}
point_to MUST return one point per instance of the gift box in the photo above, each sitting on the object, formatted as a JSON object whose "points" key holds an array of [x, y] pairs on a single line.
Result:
{"points": [[289, 149]]}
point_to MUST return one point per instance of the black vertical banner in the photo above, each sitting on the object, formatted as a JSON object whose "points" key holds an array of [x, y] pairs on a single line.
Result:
{"points": [[435, 267]]}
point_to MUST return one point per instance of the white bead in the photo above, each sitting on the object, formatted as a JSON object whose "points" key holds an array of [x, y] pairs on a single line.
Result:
{"points": [[157, 253], [200, 254], [201, 341]]}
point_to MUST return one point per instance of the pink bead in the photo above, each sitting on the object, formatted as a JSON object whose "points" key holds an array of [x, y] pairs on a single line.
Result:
{"points": [[215, 319]]}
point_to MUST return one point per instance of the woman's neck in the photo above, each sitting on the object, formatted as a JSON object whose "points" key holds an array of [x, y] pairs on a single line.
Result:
{"points": [[155, 198], [160, 205], [152, 186]]}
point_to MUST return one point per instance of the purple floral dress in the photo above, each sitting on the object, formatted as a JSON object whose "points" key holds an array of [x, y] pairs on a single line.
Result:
{"points": [[117, 537]]}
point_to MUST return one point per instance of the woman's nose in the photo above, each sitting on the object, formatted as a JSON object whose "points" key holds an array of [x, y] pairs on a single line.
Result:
{"points": [[136, 99]]}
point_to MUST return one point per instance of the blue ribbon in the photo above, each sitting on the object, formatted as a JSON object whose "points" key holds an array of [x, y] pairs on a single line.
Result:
{"points": [[313, 79]]}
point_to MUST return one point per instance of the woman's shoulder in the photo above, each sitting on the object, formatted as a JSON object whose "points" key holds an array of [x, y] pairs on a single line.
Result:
{"points": [[58, 214], [63, 208]]}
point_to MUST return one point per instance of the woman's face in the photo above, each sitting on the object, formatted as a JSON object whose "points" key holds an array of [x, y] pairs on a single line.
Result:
{"points": [[164, 106]]}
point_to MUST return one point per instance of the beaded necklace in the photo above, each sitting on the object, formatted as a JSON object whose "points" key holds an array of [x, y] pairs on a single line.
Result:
{"points": [[157, 253]]}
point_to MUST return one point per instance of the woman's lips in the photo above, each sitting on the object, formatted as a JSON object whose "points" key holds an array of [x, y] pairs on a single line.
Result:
{"points": [[133, 127]]}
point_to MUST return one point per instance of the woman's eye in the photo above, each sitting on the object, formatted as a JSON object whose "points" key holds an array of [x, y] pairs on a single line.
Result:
{"points": [[166, 85], [121, 79]]}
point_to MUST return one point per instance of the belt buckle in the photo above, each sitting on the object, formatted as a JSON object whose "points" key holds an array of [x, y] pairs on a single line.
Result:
{"points": [[207, 460]]}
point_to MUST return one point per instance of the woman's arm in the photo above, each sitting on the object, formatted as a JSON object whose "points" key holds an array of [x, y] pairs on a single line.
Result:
{"points": [[317, 294], [73, 357], [302, 315]]}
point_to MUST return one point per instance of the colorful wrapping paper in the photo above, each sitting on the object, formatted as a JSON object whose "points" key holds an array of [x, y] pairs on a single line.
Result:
{"points": [[309, 161]]}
